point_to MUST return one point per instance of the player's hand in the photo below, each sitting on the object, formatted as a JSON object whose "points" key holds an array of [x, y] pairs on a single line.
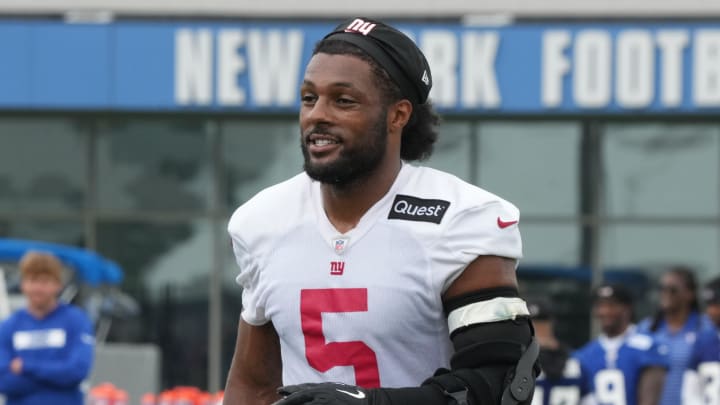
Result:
{"points": [[323, 393]]}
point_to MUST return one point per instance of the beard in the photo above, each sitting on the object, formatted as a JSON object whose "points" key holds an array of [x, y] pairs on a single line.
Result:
{"points": [[354, 164]]}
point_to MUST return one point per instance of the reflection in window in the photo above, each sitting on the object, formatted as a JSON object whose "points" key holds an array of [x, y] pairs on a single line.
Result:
{"points": [[532, 164], [258, 154], [153, 164], [231, 306], [43, 165], [549, 269], [167, 269], [652, 247], [452, 152], [550, 244], [62, 232], [662, 169]]}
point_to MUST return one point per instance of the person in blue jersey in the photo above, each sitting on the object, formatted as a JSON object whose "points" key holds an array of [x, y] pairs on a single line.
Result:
{"points": [[677, 323], [46, 348], [701, 385], [621, 366], [560, 382]]}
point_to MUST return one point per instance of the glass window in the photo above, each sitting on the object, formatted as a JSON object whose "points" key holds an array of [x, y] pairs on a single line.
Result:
{"points": [[64, 232], [550, 244], [231, 306], [167, 269], [651, 247], [43, 164], [549, 270], [154, 164], [662, 169], [452, 152], [532, 164], [258, 154]]}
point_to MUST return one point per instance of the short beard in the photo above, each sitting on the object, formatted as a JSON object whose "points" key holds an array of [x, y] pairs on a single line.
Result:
{"points": [[353, 165]]}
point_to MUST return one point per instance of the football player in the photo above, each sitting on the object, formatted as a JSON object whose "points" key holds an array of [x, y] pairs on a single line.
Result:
{"points": [[622, 366], [368, 280], [701, 384]]}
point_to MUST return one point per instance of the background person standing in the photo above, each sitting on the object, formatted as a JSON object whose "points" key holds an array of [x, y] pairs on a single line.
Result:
{"points": [[623, 367], [677, 323], [46, 348], [701, 384]]}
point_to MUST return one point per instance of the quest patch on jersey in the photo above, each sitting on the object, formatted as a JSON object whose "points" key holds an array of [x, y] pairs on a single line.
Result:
{"points": [[418, 209]]}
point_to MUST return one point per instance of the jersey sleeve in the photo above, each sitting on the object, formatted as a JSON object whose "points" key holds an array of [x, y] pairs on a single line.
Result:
{"points": [[585, 373], [488, 229], [656, 355], [697, 350], [252, 307]]}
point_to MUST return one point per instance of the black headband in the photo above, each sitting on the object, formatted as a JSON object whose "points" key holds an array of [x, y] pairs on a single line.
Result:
{"points": [[393, 51]]}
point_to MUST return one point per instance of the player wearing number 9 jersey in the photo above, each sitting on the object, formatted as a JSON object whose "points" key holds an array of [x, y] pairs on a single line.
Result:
{"points": [[622, 367], [701, 382], [395, 280]]}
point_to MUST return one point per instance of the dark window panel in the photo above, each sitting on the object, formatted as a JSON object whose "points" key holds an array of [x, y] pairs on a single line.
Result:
{"points": [[258, 154], [660, 169], [43, 164], [532, 164], [154, 165]]}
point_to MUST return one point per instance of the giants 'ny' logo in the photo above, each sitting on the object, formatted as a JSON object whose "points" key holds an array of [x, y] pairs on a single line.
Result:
{"points": [[337, 268], [360, 26]]}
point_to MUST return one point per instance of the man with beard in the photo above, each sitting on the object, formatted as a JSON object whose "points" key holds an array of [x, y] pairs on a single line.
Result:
{"points": [[367, 280], [622, 366]]}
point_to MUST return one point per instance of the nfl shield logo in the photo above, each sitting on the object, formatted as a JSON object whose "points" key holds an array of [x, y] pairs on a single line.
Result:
{"points": [[339, 245]]}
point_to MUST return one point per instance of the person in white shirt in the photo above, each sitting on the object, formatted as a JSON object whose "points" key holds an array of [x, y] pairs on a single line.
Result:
{"points": [[365, 275]]}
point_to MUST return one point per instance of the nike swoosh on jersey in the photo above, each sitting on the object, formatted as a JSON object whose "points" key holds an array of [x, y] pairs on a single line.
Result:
{"points": [[358, 395], [504, 224]]}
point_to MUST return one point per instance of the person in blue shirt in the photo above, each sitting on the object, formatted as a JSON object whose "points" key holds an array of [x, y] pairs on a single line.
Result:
{"points": [[621, 366], [701, 385], [677, 323], [46, 348], [560, 382]]}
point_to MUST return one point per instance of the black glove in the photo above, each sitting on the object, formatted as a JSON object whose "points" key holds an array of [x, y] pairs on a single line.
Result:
{"points": [[323, 393]]}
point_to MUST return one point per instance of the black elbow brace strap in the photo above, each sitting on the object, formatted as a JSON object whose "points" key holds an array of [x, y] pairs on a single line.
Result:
{"points": [[492, 383], [494, 362]]}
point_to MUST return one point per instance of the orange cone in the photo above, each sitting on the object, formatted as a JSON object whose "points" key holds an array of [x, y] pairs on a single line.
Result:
{"points": [[148, 398], [101, 394]]}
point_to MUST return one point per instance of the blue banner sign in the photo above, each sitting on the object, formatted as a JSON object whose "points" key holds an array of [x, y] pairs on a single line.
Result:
{"points": [[256, 67]]}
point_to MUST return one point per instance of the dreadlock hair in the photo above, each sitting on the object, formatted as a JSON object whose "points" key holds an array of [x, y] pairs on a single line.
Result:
{"points": [[419, 134], [688, 277]]}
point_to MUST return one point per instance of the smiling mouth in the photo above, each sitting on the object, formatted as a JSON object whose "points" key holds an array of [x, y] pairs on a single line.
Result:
{"points": [[323, 142]]}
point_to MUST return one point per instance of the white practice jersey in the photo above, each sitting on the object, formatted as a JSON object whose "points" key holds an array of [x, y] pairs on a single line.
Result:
{"points": [[365, 307]]}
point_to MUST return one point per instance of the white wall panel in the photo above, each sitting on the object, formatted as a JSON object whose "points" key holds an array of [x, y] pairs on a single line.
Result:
{"points": [[396, 9]]}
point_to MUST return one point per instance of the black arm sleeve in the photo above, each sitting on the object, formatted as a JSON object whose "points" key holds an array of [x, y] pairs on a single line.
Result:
{"points": [[487, 357]]}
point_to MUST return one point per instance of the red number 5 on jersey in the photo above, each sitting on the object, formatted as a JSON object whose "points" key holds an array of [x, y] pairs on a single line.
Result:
{"points": [[323, 356]]}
